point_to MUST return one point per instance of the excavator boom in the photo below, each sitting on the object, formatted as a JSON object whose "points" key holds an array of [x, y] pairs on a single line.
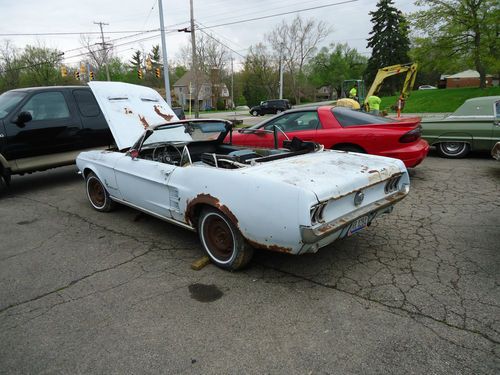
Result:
{"points": [[411, 73]]}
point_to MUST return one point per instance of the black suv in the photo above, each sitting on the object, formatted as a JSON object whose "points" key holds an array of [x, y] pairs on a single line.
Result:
{"points": [[270, 106], [47, 127]]}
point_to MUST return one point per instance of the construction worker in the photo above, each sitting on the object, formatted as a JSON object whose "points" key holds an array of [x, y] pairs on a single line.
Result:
{"points": [[353, 94], [374, 104]]}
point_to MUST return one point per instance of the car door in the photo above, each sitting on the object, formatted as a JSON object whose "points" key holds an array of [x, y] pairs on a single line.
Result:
{"points": [[52, 129], [144, 183]]}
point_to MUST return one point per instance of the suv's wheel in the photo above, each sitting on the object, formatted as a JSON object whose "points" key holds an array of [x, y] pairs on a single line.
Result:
{"points": [[255, 113], [278, 111], [222, 241], [453, 149], [97, 194]]}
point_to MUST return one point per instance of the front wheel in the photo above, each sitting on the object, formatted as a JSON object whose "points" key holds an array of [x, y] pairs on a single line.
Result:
{"points": [[222, 241], [453, 149], [255, 113], [278, 111], [97, 194]]}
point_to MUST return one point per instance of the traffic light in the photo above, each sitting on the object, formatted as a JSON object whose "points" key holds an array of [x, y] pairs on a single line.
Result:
{"points": [[64, 71], [139, 73], [82, 69], [91, 75], [149, 64], [77, 75], [158, 72]]}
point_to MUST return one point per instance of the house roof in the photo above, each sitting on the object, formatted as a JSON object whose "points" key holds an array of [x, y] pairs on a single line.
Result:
{"points": [[189, 77], [465, 74]]}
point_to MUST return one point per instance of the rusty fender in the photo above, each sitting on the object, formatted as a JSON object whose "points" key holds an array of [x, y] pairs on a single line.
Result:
{"points": [[207, 199]]}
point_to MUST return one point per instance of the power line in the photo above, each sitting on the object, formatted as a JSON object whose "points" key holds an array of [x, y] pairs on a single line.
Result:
{"points": [[77, 33], [218, 41], [279, 14]]}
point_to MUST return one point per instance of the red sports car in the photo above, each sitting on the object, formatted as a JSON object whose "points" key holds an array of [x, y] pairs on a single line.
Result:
{"points": [[341, 128]]}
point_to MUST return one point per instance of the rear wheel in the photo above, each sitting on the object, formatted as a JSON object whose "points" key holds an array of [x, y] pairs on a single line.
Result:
{"points": [[278, 111], [453, 149], [97, 194], [255, 113], [222, 241]]}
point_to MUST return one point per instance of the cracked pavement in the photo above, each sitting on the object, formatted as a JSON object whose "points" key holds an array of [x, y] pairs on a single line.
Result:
{"points": [[417, 292]]}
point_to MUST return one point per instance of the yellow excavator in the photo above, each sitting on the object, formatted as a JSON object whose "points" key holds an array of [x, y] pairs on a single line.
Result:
{"points": [[362, 96]]}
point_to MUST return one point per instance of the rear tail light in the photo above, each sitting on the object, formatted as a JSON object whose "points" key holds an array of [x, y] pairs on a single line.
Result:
{"points": [[392, 184], [412, 136], [317, 213]]}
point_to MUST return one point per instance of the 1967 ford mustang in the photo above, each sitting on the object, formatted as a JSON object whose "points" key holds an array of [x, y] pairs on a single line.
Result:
{"points": [[294, 200]]}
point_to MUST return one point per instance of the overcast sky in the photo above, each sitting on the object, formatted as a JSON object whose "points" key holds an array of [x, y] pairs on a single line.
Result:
{"points": [[350, 22]]}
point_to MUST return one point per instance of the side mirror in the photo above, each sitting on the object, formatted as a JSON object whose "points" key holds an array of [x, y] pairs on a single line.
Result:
{"points": [[23, 118]]}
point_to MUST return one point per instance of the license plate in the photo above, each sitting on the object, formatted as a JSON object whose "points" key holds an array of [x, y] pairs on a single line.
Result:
{"points": [[358, 225]]}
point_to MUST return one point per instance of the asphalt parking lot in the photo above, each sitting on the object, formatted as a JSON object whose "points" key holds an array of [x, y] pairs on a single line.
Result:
{"points": [[417, 292]]}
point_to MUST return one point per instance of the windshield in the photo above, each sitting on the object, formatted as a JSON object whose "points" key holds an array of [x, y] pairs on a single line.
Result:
{"points": [[8, 100], [187, 132]]}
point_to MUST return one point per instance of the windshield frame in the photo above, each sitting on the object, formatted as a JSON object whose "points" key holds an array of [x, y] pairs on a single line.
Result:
{"points": [[21, 95], [222, 135]]}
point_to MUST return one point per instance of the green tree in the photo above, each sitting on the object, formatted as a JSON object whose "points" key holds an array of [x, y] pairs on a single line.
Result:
{"points": [[10, 66], [259, 75], [463, 31], [41, 66], [135, 62], [331, 66], [388, 40]]}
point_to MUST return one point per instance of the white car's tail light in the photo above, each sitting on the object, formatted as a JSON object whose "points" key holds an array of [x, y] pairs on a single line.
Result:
{"points": [[392, 184], [317, 213]]}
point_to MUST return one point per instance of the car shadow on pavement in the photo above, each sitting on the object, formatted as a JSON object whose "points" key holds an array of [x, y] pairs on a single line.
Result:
{"points": [[40, 181]]}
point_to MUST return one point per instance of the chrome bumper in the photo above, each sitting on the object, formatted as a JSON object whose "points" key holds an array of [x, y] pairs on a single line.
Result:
{"points": [[311, 235]]}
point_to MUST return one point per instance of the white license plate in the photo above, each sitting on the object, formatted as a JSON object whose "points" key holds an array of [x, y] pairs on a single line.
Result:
{"points": [[358, 225]]}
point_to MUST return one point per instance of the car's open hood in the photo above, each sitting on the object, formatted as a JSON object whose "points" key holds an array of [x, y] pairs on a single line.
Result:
{"points": [[129, 109]]}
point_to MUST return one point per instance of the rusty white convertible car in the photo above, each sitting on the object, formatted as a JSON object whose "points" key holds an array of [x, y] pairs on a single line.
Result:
{"points": [[294, 200]]}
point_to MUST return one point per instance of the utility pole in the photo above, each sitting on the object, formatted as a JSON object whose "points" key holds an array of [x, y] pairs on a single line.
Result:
{"points": [[195, 64], [281, 71], [104, 47], [164, 53], [232, 84]]}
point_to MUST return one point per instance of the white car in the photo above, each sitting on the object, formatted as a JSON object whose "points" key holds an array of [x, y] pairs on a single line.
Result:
{"points": [[427, 87], [293, 200]]}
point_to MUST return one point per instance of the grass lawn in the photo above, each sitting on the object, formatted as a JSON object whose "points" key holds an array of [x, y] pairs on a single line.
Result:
{"points": [[441, 100]]}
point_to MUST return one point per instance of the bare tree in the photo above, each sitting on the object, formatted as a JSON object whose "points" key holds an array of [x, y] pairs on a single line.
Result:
{"points": [[95, 51], [296, 43], [213, 59]]}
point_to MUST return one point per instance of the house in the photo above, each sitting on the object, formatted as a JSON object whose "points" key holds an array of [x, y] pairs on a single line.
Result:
{"points": [[325, 93], [467, 78], [208, 92]]}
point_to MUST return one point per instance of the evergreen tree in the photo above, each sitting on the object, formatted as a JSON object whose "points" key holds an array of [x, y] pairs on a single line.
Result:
{"points": [[388, 39]]}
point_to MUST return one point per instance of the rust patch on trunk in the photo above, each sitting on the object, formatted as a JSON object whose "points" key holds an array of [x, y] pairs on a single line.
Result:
{"points": [[207, 199], [276, 248], [143, 121], [165, 116]]}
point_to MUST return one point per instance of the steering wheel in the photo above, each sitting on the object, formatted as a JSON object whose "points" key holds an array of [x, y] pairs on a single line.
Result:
{"points": [[164, 154]]}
